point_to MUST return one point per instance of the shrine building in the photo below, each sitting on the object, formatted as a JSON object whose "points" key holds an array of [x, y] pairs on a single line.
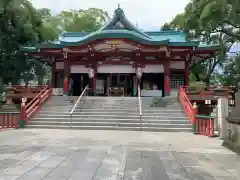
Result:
{"points": [[120, 55]]}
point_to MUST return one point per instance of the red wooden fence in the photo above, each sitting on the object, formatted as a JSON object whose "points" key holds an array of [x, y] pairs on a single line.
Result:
{"points": [[9, 120], [15, 119], [203, 125]]}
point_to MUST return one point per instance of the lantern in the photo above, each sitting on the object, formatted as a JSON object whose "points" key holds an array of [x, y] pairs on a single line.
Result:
{"points": [[139, 72], [91, 73], [24, 100], [208, 102]]}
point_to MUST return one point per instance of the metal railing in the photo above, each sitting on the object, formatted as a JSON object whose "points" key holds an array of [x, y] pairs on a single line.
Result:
{"points": [[77, 103], [140, 106]]}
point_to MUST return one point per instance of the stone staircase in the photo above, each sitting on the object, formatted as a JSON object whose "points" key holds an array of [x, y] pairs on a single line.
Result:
{"points": [[164, 115], [111, 113]]}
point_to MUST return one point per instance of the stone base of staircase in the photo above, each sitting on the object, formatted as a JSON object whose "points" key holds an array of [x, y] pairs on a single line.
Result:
{"points": [[110, 128], [233, 146]]}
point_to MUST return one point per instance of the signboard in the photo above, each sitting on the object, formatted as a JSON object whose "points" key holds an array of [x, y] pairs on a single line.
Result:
{"points": [[114, 42]]}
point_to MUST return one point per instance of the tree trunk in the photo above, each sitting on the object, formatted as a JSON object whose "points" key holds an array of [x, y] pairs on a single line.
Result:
{"points": [[40, 80], [197, 77]]}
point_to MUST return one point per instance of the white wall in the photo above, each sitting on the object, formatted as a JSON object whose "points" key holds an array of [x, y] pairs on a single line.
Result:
{"points": [[78, 69], [59, 65], [177, 65], [115, 69], [153, 69]]}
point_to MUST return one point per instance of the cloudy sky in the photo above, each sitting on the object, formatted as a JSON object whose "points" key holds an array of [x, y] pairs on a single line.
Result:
{"points": [[149, 15]]}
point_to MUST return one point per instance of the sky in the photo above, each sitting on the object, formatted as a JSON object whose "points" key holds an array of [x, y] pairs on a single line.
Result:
{"points": [[149, 15]]}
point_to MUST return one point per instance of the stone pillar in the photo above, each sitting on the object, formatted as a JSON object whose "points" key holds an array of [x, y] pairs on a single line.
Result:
{"points": [[222, 114], [186, 74], [167, 78], [66, 77]]}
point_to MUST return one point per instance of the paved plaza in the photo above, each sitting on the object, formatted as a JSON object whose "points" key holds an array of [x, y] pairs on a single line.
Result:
{"points": [[32, 154]]}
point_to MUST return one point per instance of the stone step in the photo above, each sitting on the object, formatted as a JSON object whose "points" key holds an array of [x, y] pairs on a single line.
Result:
{"points": [[110, 113], [122, 124], [81, 118], [108, 107], [156, 129], [110, 116], [159, 121], [57, 106], [92, 110], [123, 119], [64, 113]]}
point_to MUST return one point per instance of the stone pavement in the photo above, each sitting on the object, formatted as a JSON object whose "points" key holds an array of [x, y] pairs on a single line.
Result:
{"points": [[32, 154]]}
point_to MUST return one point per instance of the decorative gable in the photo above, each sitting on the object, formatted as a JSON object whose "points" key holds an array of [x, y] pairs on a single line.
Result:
{"points": [[119, 25], [119, 21]]}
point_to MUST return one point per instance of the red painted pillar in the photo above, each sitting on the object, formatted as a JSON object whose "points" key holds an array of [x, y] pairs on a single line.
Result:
{"points": [[186, 74], [66, 77], [53, 83], [65, 85], [167, 78], [137, 84], [94, 82]]}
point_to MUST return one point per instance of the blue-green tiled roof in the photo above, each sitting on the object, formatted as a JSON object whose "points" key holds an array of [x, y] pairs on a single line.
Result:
{"points": [[115, 34], [173, 36], [128, 30], [119, 27]]}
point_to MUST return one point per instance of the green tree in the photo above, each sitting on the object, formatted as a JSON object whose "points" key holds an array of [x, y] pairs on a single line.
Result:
{"points": [[82, 20], [20, 25], [193, 22], [49, 30], [230, 74], [214, 16]]}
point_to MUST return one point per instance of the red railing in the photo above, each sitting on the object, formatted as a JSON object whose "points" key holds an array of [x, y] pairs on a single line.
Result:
{"points": [[9, 120], [203, 125], [30, 108], [209, 90], [186, 104]]}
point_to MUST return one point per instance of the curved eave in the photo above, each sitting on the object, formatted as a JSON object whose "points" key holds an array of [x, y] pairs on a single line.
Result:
{"points": [[209, 48], [184, 44], [50, 46], [39, 46], [118, 34], [28, 49]]}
